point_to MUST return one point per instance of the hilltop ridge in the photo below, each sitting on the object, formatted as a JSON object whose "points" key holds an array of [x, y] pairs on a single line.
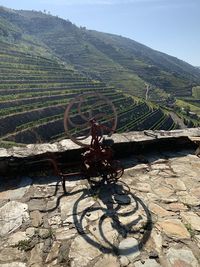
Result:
{"points": [[107, 56]]}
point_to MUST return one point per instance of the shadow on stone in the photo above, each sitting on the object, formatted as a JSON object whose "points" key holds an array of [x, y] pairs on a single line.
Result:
{"points": [[110, 218], [42, 174], [119, 221]]}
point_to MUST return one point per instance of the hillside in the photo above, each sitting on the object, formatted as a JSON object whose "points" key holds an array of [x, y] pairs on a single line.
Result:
{"points": [[35, 90], [112, 58], [46, 61]]}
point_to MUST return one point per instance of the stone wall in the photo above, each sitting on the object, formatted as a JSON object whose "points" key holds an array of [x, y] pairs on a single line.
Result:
{"points": [[124, 144]]}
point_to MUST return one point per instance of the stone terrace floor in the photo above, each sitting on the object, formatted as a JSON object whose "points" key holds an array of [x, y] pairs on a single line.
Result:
{"points": [[150, 218]]}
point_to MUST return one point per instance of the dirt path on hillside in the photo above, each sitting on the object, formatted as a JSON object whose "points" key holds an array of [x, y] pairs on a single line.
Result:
{"points": [[178, 120], [147, 91]]}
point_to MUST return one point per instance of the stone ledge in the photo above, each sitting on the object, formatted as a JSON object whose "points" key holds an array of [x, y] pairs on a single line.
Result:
{"points": [[124, 145], [145, 137]]}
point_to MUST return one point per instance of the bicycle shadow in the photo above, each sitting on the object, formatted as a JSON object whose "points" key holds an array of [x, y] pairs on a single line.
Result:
{"points": [[113, 215], [122, 215]]}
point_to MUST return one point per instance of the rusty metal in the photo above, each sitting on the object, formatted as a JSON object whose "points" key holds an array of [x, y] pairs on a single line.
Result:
{"points": [[87, 109], [87, 118]]}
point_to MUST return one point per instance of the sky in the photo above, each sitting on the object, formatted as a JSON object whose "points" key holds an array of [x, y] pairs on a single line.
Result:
{"points": [[170, 26]]}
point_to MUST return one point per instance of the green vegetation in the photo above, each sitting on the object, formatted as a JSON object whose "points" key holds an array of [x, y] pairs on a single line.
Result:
{"points": [[25, 245], [46, 61], [189, 113], [190, 229], [117, 61], [196, 92], [187, 106], [35, 90]]}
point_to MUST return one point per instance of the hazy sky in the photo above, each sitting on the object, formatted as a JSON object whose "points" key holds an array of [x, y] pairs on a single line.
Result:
{"points": [[170, 26]]}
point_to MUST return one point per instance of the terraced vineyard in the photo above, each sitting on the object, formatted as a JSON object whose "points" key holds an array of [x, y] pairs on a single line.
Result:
{"points": [[35, 91], [46, 61], [116, 60]]}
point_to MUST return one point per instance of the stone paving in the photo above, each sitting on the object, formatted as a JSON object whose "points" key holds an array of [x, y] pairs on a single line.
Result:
{"points": [[150, 218]]}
